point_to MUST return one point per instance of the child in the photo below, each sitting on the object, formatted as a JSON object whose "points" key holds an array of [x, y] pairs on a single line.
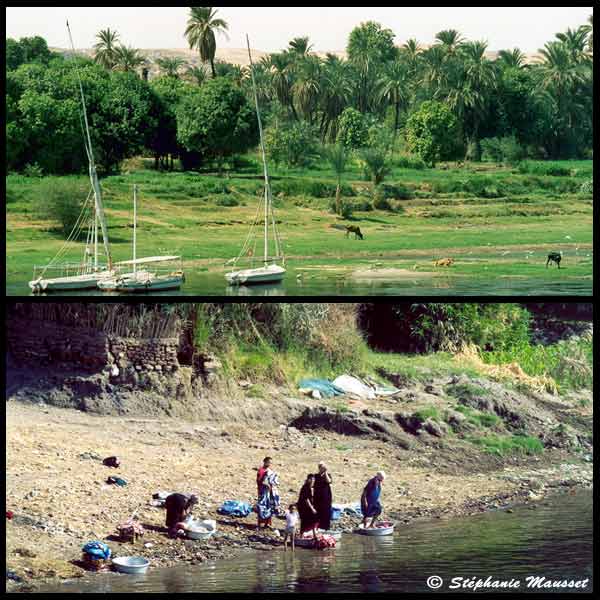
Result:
{"points": [[291, 522]]}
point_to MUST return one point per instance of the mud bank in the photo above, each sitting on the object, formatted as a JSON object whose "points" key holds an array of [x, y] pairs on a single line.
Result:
{"points": [[56, 483]]}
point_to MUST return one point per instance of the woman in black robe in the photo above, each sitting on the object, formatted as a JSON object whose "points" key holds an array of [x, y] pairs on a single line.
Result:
{"points": [[323, 497], [309, 519]]}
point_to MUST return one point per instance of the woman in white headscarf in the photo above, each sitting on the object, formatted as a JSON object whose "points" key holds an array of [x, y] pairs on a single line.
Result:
{"points": [[323, 496]]}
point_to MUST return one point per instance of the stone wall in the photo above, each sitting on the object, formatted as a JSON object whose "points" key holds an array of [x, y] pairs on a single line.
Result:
{"points": [[47, 343]]}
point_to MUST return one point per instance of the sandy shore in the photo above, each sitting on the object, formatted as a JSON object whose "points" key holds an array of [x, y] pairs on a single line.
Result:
{"points": [[60, 498]]}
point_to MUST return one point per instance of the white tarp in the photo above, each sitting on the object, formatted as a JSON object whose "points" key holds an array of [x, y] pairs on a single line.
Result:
{"points": [[352, 385]]}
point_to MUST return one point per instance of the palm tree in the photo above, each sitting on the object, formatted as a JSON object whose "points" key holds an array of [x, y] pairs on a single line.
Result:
{"points": [[560, 78], [197, 74], [337, 155], [336, 93], [170, 66], [450, 40], [105, 50], [411, 53], [200, 32], [307, 87], [591, 30], [301, 46], [281, 69], [478, 82], [393, 88], [512, 59], [435, 72], [576, 42], [128, 59]]}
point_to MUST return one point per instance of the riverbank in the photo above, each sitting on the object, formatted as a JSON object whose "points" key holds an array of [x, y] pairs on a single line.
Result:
{"points": [[56, 483], [492, 221]]}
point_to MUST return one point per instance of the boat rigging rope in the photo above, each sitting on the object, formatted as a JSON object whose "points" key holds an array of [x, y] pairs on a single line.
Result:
{"points": [[75, 232]]}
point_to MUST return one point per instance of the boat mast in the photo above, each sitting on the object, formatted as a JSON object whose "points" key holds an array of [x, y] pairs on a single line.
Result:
{"points": [[264, 155], [135, 229], [92, 165], [95, 241]]}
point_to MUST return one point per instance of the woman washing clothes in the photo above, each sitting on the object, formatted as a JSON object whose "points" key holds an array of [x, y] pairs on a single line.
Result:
{"points": [[309, 519], [369, 501]]}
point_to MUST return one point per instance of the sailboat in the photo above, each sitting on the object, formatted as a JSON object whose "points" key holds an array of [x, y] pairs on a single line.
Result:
{"points": [[142, 280], [88, 273], [271, 271]]}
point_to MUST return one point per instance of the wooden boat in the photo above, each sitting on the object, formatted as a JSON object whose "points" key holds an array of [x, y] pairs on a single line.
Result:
{"points": [[269, 274], [143, 281], [270, 271], [87, 281], [87, 274], [381, 529]]}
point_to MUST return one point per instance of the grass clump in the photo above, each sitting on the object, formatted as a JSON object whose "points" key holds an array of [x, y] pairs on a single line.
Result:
{"points": [[478, 418], [506, 445], [466, 391], [428, 412]]}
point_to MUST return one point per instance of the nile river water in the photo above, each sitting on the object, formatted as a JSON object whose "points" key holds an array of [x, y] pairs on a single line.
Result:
{"points": [[323, 283], [552, 540]]}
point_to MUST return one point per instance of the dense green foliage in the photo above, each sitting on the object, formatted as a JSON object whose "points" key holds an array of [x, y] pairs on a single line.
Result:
{"points": [[293, 144], [505, 108], [431, 133], [61, 199], [437, 327], [216, 121]]}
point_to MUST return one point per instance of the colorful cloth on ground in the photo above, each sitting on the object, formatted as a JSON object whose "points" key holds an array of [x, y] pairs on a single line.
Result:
{"points": [[97, 550], [235, 508], [370, 505], [323, 499], [325, 541], [326, 388], [353, 510]]}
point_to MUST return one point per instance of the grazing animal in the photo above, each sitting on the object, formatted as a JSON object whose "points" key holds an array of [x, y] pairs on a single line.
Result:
{"points": [[356, 231], [554, 257], [445, 262]]}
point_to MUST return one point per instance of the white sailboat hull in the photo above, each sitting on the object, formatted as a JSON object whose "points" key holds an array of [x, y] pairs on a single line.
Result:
{"points": [[270, 274], [143, 283], [64, 284]]}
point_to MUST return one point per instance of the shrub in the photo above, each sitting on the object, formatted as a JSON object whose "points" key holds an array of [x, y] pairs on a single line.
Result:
{"points": [[293, 145], [375, 164], [380, 136], [396, 191], [505, 150], [407, 161], [61, 199], [228, 201], [432, 132], [587, 188], [33, 170], [380, 202], [541, 168], [353, 129], [491, 150]]}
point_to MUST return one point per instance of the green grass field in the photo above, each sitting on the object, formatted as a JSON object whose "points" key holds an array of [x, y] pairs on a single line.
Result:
{"points": [[493, 221]]}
